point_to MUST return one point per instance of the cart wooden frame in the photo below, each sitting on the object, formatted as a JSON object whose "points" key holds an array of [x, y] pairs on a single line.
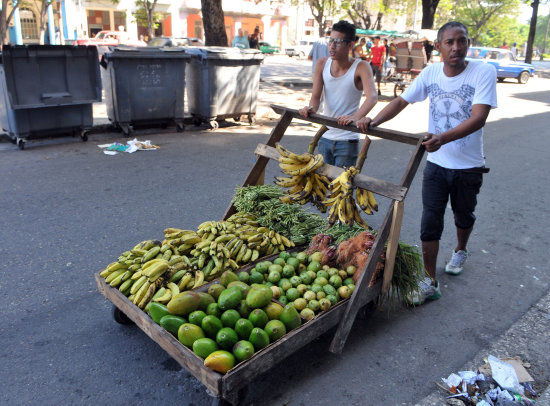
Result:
{"points": [[225, 388]]}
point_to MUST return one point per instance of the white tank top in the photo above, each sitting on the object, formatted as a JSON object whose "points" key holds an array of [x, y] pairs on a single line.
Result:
{"points": [[341, 97]]}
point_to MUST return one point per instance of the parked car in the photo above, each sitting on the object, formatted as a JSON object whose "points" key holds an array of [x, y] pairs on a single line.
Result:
{"points": [[174, 42], [111, 38], [300, 49], [504, 62], [267, 48]]}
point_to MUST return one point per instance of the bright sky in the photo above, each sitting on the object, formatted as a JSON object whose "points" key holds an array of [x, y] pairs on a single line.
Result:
{"points": [[526, 11]]}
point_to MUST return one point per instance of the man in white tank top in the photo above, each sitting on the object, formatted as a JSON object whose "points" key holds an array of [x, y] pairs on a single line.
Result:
{"points": [[343, 79]]}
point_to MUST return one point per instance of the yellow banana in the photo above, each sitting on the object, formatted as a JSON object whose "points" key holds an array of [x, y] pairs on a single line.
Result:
{"points": [[115, 274], [359, 220], [199, 278], [372, 201], [164, 297], [173, 288], [184, 281]]}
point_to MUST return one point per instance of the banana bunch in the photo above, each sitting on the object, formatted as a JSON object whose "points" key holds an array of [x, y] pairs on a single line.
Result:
{"points": [[304, 184], [343, 206]]}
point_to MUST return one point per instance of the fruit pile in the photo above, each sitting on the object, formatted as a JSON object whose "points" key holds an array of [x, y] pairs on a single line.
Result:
{"points": [[301, 280], [228, 324], [186, 259]]}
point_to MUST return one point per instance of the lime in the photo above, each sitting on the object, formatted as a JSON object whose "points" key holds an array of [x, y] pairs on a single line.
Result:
{"points": [[314, 266], [261, 267], [344, 292], [329, 290], [316, 288], [316, 257], [348, 281], [292, 294], [256, 277], [279, 261], [274, 277], [292, 261], [305, 277], [288, 271], [333, 299], [226, 338], [295, 280], [335, 281], [322, 274], [196, 317], [300, 304], [243, 308], [230, 317], [211, 325], [321, 295], [259, 338], [284, 255], [324, 304], [269, 284], [214, 310], [273, 310], [275, 329], [307, 314], [350, 270], [258, 317], [275, 268], [243, 328], [342, 274], [332, 271], [283, 300], [302, 257], [310, 295], [244, 276], [243, 350], [312, 275], [203, 347], [285, 284], [313, 305], [215, 290], [320, 281], [301, 288], [188, 333]]}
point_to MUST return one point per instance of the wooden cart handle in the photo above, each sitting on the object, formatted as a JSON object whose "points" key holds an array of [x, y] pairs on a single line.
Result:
{"points": [[316, 139], [363, 154]]}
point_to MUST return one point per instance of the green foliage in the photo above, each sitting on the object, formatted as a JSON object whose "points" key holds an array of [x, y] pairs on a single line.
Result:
{"points": [[141, 15]]}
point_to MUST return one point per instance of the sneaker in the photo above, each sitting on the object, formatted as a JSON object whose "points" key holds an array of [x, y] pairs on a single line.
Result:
{"points": [[456, 265], [379, 92], [426, 291]]}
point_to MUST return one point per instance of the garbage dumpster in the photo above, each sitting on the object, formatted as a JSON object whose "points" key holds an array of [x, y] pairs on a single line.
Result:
{"points": [[222, 83], [48, 90], [144, 86]]}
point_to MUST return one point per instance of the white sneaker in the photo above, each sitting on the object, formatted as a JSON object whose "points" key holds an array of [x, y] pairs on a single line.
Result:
{"points": [[426, 291], [456, 265]]}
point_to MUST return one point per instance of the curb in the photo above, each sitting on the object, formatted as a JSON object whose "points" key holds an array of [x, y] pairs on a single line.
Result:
{"points": [[528, 338]]}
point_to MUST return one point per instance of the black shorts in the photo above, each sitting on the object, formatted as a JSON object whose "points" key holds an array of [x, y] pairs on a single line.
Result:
{"points": [[437, 185], [377, 71]]}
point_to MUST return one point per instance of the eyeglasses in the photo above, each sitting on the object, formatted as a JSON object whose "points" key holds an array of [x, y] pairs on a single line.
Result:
{"points": [[337, 42]]}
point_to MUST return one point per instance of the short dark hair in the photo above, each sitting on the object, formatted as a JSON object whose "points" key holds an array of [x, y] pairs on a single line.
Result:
{"points": [[377, 37], [327, 33], [346, 28], [449, 25]]}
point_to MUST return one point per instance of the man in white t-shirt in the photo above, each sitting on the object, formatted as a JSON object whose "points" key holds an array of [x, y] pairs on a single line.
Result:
{"points": [[461, 95]]}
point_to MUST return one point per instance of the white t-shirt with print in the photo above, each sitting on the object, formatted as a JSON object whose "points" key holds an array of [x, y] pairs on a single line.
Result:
{"points": [[451, 101]]}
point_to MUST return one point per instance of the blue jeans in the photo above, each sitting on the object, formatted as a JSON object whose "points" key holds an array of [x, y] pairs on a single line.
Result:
{"points": [[339, 153]]}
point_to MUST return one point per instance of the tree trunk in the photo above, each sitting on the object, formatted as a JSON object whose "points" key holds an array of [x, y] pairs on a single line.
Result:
{"points": [[428, 13], [214, 26], [43, 20], [150, 11], [532, 29], [5, 21]]}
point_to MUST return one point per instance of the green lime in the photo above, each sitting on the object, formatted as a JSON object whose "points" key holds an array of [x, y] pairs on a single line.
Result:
{"points": [[283, 300], [275, 329], [274, 277], [348, 281], [302, 257], [305, 277], [244, 276], [243, 350], [259, 338], [293, 262], [329, 290], [288, 271], [292, 294], [261, 267], [214, 310], [196, 317], [243, 328], [285, 284], [323, 274], [275, 268], [211, 325], [316, 287], [295, 280], [258, 317], [320, 281], [188, 333], [230, 317], [226, 338], [333, 299], [284, 255], [243, 309], [314, 266], [279, 261], [203, 347], [316, 257]]}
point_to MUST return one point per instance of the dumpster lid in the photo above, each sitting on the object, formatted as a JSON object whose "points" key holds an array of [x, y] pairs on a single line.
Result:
{"points": [[125, 51], [212, 52], [51, 75]]}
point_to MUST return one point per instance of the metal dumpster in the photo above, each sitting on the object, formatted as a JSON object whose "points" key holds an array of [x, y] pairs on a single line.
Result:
{"points": [[48, 90], [223, 83], [144, 86]]}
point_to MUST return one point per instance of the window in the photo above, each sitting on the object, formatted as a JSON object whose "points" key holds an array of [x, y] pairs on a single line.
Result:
{"points": [[29, 26], [310, 22]]}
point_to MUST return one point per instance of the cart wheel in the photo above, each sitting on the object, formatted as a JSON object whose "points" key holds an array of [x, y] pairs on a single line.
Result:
{"points": [[197, 121], [398, 89], [213, 124], [180, 127], [120, 317], [21, 144], [84, 136], [237, 119], [251, 119]]}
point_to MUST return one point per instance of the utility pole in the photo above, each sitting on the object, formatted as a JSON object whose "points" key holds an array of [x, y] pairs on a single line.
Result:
{"points": [[532, 29]]}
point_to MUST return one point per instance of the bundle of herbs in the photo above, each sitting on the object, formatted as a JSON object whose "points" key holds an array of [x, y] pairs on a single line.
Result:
{"points": [[290, 220]]}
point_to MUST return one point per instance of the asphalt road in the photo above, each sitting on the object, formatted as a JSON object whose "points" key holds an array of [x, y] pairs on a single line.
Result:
{"points": [[67, 210]]}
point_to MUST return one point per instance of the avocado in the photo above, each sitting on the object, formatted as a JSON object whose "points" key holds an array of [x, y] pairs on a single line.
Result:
{"points": [[259, 296], [230, 298]]}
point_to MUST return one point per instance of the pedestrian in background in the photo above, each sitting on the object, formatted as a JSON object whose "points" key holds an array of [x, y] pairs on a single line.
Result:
{"points": [[359, 50], [240, 41], [319, 50], [378, 57], [504, 45], [342, 80], [254, 39], [461, 95], [514, 50]]}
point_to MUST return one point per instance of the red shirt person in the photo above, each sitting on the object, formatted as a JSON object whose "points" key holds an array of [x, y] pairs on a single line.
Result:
{"points": [[378, 57]]}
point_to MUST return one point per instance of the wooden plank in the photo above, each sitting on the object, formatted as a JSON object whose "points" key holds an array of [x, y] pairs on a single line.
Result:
{"points": [[384, 133], [258, 169], [183, 355], [413, 165], [393, 243], [377, 186], [265, 359]]}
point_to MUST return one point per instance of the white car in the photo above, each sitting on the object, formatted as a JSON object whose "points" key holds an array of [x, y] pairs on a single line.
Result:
{"points": [[301, 49]]}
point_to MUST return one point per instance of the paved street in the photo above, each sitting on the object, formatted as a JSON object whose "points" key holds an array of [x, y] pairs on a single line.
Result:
{"points": [[68, 210]]}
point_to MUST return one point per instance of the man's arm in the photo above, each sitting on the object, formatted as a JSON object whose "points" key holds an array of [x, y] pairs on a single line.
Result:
{"points": [[317, 90], [477, 120], [367, 81], [395, 107]]}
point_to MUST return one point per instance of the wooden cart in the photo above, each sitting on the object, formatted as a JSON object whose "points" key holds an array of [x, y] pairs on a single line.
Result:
{"points": [[229, 387]]}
